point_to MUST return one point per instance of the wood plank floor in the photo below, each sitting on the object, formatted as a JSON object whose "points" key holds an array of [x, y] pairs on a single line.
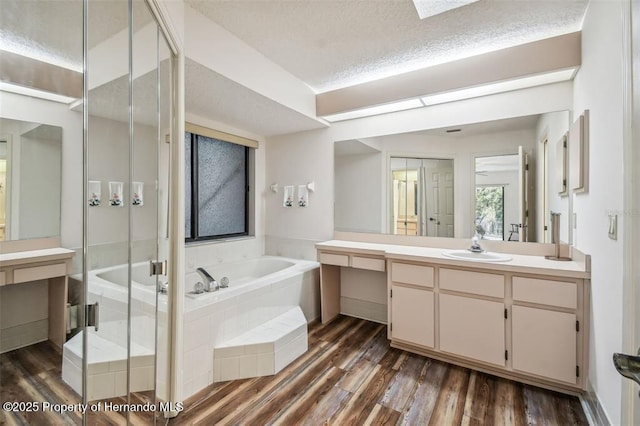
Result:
{"points": [[34, 373], [349, 376]]}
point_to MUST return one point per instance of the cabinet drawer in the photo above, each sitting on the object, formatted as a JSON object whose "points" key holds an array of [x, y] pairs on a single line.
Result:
{"points": [[472, 282], [412, 274], [545, 292], [334, 259], [370, 263], [39, 273]]}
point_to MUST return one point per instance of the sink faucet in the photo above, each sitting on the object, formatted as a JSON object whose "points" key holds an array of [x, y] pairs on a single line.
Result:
{"points": [[210, 284], [475, 245]]}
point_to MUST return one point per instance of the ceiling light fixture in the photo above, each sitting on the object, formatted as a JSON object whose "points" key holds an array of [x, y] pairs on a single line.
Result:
{"points": [[457, 95], [500, 87], [35, 93], [427, 8], [380, 109]]}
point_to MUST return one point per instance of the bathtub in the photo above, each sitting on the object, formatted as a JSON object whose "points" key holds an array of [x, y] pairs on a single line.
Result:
{"points": [[260, 289], [119, 275], [241, 274]]}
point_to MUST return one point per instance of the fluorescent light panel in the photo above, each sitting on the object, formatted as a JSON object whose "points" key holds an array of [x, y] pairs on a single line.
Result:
{"points": [[35, 93], [458, 95], [427, 8], [500, 87], [380, 109]]}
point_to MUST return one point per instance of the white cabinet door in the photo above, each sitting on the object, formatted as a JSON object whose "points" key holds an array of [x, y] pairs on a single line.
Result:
{"points": [[472, 328], [544, 343], [412, 316]]}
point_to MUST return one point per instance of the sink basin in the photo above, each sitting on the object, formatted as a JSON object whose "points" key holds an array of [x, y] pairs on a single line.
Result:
{"points": [[476, 257]]}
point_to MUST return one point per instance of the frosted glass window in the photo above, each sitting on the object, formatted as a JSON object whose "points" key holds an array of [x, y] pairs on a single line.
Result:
{"points": [[217, 190], [187, 184]]}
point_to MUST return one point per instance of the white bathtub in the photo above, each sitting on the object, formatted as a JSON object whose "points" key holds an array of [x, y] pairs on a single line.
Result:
{"points": [[241, 274], [119, 275], [260, 289]]}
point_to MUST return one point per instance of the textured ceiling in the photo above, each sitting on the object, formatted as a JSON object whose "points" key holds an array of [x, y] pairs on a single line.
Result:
{"points": [[325, 43], [330, 44], [211, 95], [51, 30]]}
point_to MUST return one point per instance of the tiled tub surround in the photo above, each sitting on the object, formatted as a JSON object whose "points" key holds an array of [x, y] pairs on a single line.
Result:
{"points": [[258, 296], [263, 350], [106, 360]]}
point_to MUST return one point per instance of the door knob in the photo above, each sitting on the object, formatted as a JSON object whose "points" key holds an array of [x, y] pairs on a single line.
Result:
{"points": [[628, 365]]}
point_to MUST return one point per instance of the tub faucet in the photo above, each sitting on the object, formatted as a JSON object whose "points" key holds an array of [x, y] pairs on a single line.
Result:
{"points": [[210, 284]]}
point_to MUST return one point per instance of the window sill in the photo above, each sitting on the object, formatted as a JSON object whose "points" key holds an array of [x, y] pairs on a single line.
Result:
{"points": [[220, 241]]}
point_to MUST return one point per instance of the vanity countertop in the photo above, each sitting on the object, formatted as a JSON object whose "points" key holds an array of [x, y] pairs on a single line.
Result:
{"points": [[519, 263], [33, 256]]}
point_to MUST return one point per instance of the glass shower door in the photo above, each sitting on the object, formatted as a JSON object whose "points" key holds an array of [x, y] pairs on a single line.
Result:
{"points": [[124, 140]]}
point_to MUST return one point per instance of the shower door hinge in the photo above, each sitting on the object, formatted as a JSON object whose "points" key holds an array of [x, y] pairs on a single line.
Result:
{"points": [[157, 268], [93, 315]]}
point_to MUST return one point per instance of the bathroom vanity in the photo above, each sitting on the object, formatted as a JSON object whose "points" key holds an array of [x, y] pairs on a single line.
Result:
{"points": [[526, 319], [29, 322]]}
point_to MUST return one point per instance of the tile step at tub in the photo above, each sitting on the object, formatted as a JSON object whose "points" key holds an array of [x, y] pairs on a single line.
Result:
{"points": [[107, 367], [263, 350]]}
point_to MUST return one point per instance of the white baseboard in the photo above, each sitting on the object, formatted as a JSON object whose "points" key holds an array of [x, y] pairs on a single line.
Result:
{"points": [[592, 408]]}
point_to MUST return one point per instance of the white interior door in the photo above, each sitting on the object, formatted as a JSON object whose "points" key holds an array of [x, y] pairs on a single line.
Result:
{"points": [[523, 193], [446, 202], [433, 201], [440, 214]]}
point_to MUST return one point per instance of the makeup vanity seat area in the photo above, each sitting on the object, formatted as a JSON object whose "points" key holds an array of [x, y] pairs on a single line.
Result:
{"points": [[526, 319], [23, 268]]}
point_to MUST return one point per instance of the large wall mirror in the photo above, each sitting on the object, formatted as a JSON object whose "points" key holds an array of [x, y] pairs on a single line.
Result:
{"points": [[30, 176], [494, 178]]}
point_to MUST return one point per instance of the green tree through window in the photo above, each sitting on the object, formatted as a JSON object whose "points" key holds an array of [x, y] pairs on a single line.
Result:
{"points": [[490, 212]]}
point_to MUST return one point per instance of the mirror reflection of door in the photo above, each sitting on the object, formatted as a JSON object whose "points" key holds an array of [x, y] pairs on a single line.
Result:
{"points": [[523, 192], [422, 196], [3, 188], [497, 206]]}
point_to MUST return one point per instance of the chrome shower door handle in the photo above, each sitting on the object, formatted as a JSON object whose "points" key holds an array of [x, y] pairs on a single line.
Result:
{"points": [[628, 366]]}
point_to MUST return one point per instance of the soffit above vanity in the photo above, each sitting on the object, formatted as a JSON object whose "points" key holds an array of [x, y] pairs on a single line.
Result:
{"points": [[359, 55], [336, 44]]}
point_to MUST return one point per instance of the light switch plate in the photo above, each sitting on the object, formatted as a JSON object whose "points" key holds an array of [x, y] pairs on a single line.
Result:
{"points": [[613, 226]]}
